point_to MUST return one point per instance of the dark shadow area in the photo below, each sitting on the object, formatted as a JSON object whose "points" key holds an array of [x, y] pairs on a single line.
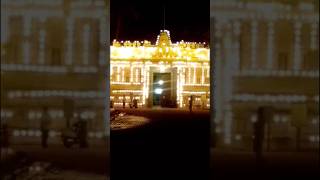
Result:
{"points": [[174, 144]]}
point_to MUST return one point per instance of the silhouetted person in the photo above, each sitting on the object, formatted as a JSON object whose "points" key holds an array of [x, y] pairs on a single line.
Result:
{"points": [[259, 135], [124, 102], [5, 136], [111, 104], [131, 98], [82, 133], [135, 103], [45, 126], [190, 103]]}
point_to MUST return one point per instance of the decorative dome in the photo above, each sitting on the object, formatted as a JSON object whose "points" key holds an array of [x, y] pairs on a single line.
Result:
{"points": [[163, 38]]}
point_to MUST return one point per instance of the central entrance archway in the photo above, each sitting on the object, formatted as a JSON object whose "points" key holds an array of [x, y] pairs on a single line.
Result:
{"points": [[161, 89]]}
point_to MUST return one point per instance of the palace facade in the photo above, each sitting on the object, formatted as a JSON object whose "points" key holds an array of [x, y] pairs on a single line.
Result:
{"points": [[266, 54], [161, 74], [53, 54]]}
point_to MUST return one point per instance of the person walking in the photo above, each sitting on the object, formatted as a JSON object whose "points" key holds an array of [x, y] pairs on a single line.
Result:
{"points": [[190, 103], [4, 143], [45, 126], [258, 134], [131, 100], [135, 103], [124, 102], [83, 133]]}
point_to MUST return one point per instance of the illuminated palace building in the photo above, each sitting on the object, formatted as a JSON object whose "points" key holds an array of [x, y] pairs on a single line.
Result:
{"points": [[267, 55], [160, 74], [53, 54]]}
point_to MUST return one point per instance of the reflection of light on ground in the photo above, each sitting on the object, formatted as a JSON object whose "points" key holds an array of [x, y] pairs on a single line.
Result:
{"points": [[128, 121], [44, 170]]}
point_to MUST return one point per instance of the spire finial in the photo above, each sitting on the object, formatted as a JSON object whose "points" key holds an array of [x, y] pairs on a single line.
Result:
{"points": [[164, 17]]}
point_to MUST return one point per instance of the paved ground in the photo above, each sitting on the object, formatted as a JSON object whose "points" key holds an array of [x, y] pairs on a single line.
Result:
{"points": [[174, 144], [40, 170], [73, 162], [226, 164]]}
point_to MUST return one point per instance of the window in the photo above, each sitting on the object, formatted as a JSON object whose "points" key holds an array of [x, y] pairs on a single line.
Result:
{"points": [[198, 75], [187, 75], [281, 124], [127, 74], [56, 56], [137, 74], [15, 39], [114, 74], [206, 75], [311, 60], [283, 61]]}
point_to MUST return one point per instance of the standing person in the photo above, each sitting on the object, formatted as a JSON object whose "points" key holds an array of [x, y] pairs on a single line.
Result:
{"points": [[5, 136], [45, 126], [111, 104], [83, 132], [258, 130], [190, 103], [131, 100], [135, 103], [5, 149], [124, 101]]}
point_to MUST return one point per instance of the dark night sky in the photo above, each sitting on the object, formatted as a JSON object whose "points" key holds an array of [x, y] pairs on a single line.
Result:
{"points": [[143, 19]]}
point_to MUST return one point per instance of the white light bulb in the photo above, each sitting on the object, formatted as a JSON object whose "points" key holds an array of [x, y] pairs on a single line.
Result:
{"points": [[158, 90], [253, 118], [238, 137], [23, 132], [276, 118], [160, 82], [16, 133]]}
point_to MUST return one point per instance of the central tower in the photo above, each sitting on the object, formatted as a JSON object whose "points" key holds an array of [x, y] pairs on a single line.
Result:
{"points": [[163, 39]]}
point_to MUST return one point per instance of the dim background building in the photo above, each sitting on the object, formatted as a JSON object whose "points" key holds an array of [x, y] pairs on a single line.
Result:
{"points": [[53, 53], [160, 74], [266, 54]]}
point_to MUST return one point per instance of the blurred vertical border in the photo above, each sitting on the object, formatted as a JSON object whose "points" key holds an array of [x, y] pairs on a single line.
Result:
{"points": [[265, 54], [54, 54]]}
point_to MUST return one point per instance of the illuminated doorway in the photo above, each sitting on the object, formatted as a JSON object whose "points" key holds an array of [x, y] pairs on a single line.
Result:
{"points": [[161, 89]]}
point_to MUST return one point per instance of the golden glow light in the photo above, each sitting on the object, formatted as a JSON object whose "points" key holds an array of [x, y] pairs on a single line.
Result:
{"points": [[163, 49], [175, 53], [140, 59]]}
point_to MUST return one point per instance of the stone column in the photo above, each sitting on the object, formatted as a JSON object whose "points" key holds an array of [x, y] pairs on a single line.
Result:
{"points": [[4, 28], [236, 44], [314, 33], [104, 31], [42, 44], [122, 74], [297, 46], [131, 74], [194, 74], [26, 43], [270, 45], [144, 81], [69, 41], [254, 30], [42, 40], [117, 73], [86, 44], [202, 73], [227, 86], [217, 84]]}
